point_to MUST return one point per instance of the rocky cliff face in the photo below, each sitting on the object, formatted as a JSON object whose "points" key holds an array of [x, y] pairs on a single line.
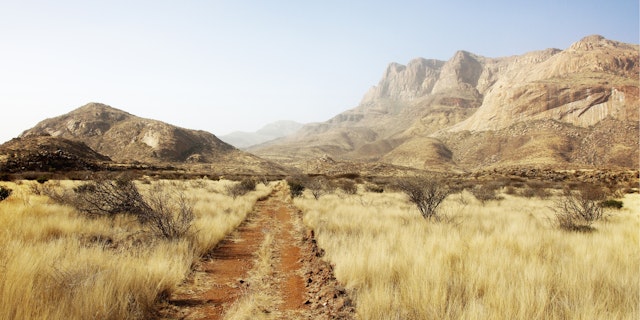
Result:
{"points": [[593, 80]]}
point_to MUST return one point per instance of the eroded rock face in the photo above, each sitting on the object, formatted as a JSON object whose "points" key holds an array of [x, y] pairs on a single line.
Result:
{"points": [[594, 79], [401, 82]]}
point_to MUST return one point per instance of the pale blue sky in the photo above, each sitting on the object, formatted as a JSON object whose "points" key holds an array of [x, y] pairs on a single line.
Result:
{"points": [[223, 66]]}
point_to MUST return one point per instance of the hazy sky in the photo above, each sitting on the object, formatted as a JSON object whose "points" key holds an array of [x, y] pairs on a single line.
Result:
{"points": [[223, 66]]}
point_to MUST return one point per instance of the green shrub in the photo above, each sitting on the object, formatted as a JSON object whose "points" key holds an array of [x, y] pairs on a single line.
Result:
{"points": [[296, 189]]}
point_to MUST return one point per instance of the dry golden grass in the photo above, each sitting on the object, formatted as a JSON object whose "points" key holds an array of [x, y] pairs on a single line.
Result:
{"points": [[500, 260], [57, 264]]}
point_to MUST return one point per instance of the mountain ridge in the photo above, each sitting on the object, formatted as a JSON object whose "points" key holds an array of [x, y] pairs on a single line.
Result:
{"points": [[431, 100]]}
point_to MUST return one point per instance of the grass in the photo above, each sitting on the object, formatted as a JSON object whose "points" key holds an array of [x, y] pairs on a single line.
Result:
{"points": [[500, 260], [57, 264]]}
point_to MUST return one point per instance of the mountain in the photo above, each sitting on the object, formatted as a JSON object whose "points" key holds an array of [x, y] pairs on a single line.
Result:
{"points": [[576, 107], [126, 138], [274, 130]]}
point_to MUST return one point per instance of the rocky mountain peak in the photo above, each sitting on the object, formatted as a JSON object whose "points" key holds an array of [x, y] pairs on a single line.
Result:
{"points": [[405, 82], [591, 42]]}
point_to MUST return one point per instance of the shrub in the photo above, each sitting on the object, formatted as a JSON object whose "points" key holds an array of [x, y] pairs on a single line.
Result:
{"points": [[243, 187], [578, 210], [167, 215], [296, 188], [370, 187], [611, 203], [486, 192], [319, 186], [426, 193], [4, 192], [348, 186]]}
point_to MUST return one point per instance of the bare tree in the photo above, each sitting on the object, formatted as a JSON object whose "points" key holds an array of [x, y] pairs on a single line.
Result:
{"points": [[577, 210], [426, 193], [318, 187], [168, 214]]}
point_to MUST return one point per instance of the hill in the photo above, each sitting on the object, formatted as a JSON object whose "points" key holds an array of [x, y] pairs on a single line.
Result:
{"points": [[126, 138], [46, 153]]}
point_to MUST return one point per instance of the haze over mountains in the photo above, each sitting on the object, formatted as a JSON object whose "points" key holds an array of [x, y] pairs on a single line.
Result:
{"points": [[571, 108], [567, 108], [274, 130]]}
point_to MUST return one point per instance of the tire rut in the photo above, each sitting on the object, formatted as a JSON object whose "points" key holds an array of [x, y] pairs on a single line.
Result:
{"points": [[269, 268]]}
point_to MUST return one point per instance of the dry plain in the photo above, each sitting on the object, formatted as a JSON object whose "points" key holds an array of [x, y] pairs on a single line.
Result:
{"points": [[497, 259]]}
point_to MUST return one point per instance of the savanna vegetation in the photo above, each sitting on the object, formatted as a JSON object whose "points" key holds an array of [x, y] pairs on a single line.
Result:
{"points": [[418, 248], [78, 250], [491, 254]]}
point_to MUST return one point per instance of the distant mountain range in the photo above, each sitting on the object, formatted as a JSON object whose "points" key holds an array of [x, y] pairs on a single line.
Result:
{"points": [[552, 108], [561, 109], [271, 131]]}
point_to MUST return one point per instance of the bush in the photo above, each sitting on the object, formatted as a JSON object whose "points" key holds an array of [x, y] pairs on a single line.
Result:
{"points": [[370, 187], [167, 215], [319, 186], [426, 193], [611, 203], [348, 186], [4, 192], [296, 185], [243, 187], [578, 210], [296, 189], [486, 192]]}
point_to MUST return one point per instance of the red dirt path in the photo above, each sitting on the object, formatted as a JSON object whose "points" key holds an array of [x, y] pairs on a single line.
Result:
{"points": [[299, 284]]}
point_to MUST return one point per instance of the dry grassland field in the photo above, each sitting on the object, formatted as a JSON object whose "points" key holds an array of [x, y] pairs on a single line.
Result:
{"points": [[58, 264], [499, 260]]}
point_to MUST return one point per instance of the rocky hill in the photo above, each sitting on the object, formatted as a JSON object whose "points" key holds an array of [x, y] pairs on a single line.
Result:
{"points": [[271, 131], [126, 138], [46, 153], [554, 108]]}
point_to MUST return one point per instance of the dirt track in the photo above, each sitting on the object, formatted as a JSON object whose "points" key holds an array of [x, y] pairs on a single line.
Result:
{"points": [[268, 268]]}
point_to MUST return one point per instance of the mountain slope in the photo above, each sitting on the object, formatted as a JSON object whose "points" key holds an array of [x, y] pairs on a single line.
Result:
{"points": [[418, 111]]}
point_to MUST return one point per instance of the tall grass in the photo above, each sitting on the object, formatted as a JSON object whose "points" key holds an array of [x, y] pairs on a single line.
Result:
{"points": [[500, 260], [57, 264]]}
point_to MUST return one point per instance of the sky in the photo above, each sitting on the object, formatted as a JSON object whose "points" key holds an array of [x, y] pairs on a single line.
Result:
{"points": [[225, 66]]}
